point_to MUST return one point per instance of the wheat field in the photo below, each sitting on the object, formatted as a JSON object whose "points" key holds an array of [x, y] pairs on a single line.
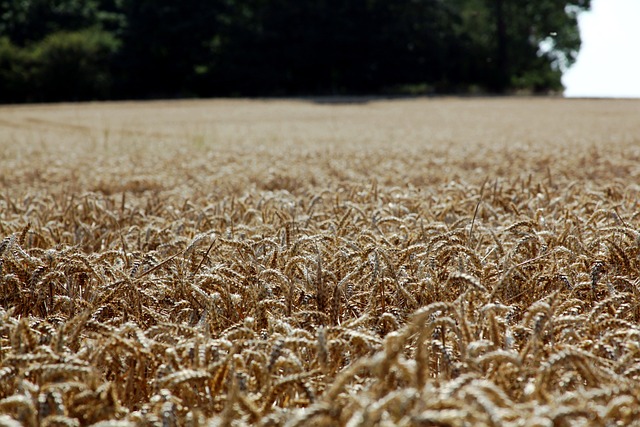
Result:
{"points": [[328, 262]]}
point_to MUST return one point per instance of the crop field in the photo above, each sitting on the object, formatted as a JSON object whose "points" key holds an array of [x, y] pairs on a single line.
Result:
{"points": [[321, 262]]}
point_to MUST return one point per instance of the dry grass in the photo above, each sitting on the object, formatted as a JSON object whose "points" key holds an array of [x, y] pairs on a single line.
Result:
{"points": [[424, 262]]}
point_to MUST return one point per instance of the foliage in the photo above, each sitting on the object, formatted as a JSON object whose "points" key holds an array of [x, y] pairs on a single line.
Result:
{"points": [[164, 42], [31, 20], [14, 71], [335, 47], [73, 65], [506, 37], [303, 47]]}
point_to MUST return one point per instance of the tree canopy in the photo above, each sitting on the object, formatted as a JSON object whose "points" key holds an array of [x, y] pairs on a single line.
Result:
{"points": [[53, 50]]}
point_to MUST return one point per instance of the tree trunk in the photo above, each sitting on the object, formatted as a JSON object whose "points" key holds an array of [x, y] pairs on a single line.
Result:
{"points": [[502, 62]]}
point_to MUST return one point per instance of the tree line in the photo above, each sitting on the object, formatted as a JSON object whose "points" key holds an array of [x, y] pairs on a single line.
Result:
{"points": [[67, 50]]}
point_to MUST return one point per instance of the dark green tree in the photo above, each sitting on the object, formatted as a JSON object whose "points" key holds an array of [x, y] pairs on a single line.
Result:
{"points": [[73, 66], [165, 46], [169, 48], [505, 41], [53, 50], [28, 21], [332, 46], [15, 69]]}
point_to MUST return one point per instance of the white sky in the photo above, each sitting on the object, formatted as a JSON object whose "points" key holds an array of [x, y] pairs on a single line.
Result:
{"points": [[608, 64]]}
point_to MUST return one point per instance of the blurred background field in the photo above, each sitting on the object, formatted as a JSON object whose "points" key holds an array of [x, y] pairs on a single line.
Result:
{"points": [[412, 141]]}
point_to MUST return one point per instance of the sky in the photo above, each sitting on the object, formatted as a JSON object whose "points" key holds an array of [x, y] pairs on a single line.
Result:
{"points": [[608, 64]]}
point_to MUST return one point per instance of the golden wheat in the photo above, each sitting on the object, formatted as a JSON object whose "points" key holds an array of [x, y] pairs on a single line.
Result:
{"points": [[418, 262]]}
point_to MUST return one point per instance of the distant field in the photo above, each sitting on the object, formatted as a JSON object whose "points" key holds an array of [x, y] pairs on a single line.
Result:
{"points": [[429, 262]]}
